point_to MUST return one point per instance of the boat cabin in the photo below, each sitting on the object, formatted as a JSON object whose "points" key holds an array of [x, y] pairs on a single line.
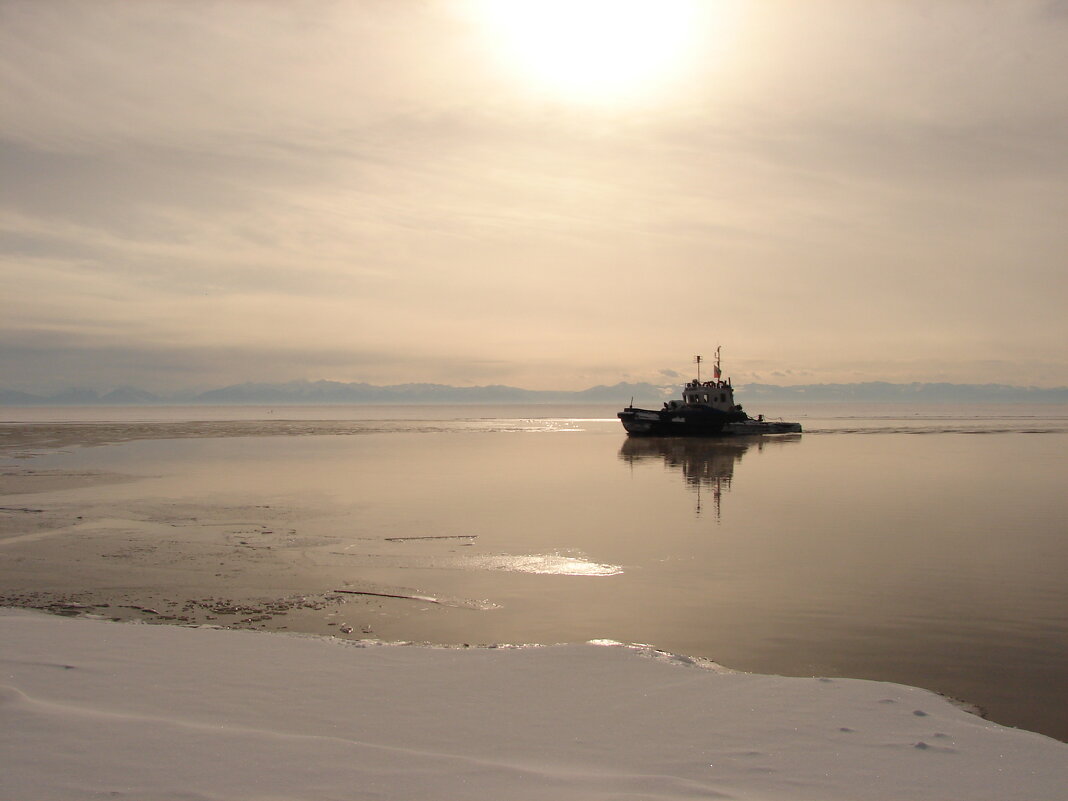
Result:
{"points": [[715, 394]]}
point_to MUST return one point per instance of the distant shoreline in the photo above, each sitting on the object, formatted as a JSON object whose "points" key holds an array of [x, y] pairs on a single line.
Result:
{"points": [[333, 393]]}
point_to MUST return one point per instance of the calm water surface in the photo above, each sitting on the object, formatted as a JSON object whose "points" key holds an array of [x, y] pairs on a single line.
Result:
{"points": [[926, 546]]}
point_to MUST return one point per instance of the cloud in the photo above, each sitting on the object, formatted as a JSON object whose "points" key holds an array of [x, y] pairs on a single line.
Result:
{"points": [[356, 188]]}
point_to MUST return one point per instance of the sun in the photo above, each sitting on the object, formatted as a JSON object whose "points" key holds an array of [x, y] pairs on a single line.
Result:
{"points": [[595, 49]]}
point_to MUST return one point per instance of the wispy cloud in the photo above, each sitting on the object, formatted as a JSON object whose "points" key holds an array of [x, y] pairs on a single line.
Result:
{"points": [[351, 188]]}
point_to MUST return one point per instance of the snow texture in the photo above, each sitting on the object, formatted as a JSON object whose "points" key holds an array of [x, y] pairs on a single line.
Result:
{"points": [[92, 710]]}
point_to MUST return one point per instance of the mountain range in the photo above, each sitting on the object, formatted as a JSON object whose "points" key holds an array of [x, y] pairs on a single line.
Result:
{"points": [[336, 392]]}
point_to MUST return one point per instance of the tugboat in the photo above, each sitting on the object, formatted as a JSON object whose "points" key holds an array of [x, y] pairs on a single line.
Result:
{"points": [[707, 409]]}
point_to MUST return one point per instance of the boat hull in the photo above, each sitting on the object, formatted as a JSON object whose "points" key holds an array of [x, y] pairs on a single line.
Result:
{"points": [[756, 427], [675, 423], [698, 423]]}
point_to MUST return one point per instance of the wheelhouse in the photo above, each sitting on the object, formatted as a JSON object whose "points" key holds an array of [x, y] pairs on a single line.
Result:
{"points": [[716, 394]]}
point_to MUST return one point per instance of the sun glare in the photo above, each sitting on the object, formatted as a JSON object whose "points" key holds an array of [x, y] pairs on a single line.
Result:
{"points": [[594, 49]]}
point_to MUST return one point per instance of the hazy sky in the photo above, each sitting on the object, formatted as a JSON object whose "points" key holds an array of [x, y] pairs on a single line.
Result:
{"points": [[198, 193]]}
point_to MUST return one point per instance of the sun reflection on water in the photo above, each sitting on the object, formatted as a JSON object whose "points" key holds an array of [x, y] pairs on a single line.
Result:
{"points": [[543, 564]]}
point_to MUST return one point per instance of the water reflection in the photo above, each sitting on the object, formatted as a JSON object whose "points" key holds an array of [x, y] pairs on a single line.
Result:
{"points": [[546, 564], [877, 556], [706, 464]]}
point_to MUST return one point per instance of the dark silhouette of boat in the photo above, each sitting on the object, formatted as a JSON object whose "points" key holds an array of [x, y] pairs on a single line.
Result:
{"points": [[707, 409]]}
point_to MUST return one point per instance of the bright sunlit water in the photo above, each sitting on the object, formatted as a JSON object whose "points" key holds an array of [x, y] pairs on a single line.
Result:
{"points": [[926, 546]]}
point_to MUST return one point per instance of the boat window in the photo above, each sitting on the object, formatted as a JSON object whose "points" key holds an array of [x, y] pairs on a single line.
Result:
{"points": [[706, 398]]}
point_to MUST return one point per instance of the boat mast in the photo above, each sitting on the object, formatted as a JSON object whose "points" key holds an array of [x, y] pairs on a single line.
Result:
{"points": [[697, 360]]}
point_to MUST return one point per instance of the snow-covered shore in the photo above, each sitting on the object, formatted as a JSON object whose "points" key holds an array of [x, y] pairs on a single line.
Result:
{"points": [[93, 709]]}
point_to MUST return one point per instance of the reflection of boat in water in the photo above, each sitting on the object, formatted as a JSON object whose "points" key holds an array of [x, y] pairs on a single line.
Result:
{"points": [[704, 462], [707, 409]]}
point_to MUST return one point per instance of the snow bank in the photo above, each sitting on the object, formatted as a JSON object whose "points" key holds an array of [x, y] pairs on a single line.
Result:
{"points": [[92, 709]]}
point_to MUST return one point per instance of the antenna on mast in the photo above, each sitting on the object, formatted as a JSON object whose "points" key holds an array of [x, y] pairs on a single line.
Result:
{"points": [[697, 361]]}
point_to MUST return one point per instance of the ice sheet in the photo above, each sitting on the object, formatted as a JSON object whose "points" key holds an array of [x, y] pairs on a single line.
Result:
{"points": [[92, 709]]}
